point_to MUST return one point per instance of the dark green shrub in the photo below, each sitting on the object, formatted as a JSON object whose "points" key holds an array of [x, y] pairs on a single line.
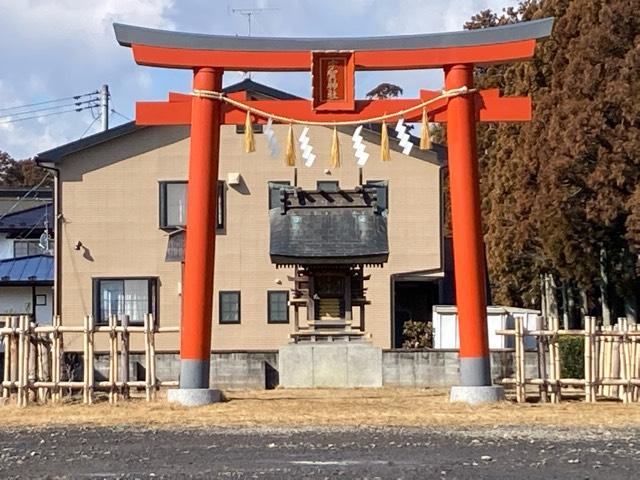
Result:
{"points": [[417, 334], [571, 357]]}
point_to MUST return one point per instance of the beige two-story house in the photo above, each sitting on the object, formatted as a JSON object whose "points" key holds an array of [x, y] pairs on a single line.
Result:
{"points": [[295, 247]]}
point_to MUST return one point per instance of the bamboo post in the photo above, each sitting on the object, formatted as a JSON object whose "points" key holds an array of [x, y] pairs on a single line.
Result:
{"points": [[91, 354], [147, 359], [152, 357], [44, 373], [124, 357], [21, 362], [608, 353], [552, 363], [6, 373], [595, 361], [626, 354], [31, 360], [588, 360], [636, 363], [112, 359], [519, 379], [600, 360], [615, 361], [56, 359], [542, 361], [85, 362], [15, 353], [522, 366], [555, 346]]}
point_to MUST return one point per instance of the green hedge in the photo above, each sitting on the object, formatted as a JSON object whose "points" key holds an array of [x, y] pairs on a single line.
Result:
{"points": [[571, 357]]}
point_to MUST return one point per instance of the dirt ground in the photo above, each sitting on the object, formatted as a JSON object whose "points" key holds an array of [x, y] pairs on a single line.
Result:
{"points": [[326, 407]]}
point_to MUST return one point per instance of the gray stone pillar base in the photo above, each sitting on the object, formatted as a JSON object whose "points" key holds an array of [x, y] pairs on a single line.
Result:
{"points": [[476, 394], [194, 397]]}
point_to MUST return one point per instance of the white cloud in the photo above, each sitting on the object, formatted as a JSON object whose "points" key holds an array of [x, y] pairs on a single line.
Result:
{"points": [[59, 49]]}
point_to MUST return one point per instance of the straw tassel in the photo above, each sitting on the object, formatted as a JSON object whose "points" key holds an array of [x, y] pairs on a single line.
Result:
{"points": [[425, 139], [384, 143], [290, 154], [335, 149], [249, 142]]}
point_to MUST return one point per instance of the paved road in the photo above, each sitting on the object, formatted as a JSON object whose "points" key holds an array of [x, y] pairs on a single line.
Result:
{"points": [[499, 453]]}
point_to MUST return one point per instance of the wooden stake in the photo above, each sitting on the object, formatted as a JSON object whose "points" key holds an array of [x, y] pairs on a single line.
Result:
{"points": [[518, 354], [91, 353], [588, 359], [85, 362], [152, 351], [147, 360], [112, 357], [21, 362], [124, 358], [6, 377], [556, 346]]}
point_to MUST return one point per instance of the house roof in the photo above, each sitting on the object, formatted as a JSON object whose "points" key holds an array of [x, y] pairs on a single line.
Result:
{"points": [[31, 218], [34, 269], [259, 90]]}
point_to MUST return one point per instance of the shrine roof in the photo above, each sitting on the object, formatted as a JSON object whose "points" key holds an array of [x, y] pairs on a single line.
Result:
{"points": [[321, 227], [129, 35]]}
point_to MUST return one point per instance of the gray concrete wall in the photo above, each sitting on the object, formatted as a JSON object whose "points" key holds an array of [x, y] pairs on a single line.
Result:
{"points": [[259, 370]]}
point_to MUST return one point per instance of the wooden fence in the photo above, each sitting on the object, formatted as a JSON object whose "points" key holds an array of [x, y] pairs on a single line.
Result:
{"points": [[611, 362], [34, 364]]}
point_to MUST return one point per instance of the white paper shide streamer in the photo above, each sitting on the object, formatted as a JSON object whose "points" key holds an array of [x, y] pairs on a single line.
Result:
{"points": [[306, 149], [359, 147], [403, 137], [272, 143]]}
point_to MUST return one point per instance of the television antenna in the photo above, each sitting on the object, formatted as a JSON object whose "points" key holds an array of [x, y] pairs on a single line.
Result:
{"points": [[250, 12]]}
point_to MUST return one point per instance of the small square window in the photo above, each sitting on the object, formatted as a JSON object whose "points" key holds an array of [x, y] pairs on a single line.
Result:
{"points": [[229, 307], [278, 306]]}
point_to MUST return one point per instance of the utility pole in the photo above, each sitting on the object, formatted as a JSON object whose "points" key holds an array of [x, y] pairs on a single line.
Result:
{"points": [[104, 107]]}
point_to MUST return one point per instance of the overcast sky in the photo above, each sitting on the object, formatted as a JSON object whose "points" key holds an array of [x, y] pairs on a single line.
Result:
{"points": [[51, 49]]}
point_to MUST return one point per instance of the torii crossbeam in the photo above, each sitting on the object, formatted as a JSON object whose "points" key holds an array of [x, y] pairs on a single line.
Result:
{"points": [[208, 56]]}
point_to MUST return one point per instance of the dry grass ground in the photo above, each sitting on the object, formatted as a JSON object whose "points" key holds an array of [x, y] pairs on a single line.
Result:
{"points": [[362, 407]]}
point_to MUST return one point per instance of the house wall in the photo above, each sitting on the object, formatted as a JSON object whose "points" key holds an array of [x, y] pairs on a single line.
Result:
{"points": [[16, 300], [6, 247], [110, 203]]}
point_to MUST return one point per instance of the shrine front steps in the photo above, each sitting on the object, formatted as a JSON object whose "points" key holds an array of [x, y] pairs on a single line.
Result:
{"points": [[330, 365]]}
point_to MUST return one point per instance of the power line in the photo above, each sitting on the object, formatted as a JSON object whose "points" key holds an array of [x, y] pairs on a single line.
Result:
{"points": [[44, 115], [90, 125], [113, 110], [44, 109], [74, 97]]}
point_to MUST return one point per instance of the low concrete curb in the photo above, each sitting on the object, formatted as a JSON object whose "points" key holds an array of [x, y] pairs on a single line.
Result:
{"points": [[476, 394], [194, 397]]}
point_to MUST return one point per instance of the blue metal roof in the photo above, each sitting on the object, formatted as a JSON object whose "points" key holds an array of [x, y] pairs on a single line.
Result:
{"points": [[28, 219], [27, 270]]}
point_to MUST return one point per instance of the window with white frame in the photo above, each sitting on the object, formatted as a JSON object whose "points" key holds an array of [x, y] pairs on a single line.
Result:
{"points": [[24, 248], [120, 297]]}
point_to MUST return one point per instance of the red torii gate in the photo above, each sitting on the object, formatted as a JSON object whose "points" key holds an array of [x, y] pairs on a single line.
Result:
{"points": [[208, 56]]}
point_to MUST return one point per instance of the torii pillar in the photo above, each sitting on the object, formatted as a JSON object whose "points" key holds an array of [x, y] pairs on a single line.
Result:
{"points": [[208, 56]]}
